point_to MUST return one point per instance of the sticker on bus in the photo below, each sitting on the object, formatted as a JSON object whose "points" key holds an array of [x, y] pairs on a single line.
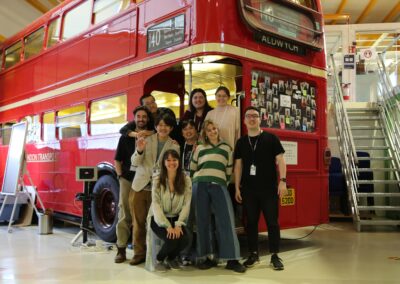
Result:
{"points": [[289, 199]]}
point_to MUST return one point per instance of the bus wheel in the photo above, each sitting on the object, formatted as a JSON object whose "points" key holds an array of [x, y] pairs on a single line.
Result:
{"points": [[104, 208]]}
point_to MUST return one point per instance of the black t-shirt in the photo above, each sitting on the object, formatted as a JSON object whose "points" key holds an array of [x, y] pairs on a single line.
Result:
{"points": [[125, 149], [186, 154], [267, 146]]}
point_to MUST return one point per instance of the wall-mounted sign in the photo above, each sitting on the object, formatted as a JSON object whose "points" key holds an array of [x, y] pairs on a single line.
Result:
{"points": [[166, 34], [348, 61], [290, 152]]}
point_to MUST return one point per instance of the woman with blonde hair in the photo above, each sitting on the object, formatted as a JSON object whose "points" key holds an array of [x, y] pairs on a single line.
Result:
{"points": [[211, 169]]}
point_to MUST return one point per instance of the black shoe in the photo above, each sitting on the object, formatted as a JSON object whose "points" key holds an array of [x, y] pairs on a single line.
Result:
{"points": [[207, 264], [173, 264], [251, 260], [276, 262], [235, 266]]}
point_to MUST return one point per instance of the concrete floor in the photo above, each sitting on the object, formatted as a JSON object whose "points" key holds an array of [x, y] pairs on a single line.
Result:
{"points": [[333, 253]]}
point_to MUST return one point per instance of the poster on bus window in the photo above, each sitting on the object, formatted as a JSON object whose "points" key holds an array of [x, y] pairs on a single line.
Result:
{"points": [[284, 102]]}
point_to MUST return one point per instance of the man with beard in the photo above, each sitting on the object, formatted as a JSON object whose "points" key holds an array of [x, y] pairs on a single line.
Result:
{"points": [[125, 149]]}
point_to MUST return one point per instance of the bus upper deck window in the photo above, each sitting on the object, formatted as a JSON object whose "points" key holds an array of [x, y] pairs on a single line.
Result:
{"points": [[53, 32], [104, 9], [6, 133], [13, 55], [33, 43], [77, 20]]}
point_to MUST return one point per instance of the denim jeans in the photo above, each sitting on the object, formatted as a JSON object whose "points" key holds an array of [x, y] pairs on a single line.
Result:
{"points": [[211, 197]]}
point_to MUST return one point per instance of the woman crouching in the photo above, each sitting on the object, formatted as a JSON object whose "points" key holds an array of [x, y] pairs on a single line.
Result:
{"points": [[171, 197]]}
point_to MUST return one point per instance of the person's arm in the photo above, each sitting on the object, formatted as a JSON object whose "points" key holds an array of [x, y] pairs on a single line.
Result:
{"points": [[229, 166], [238, 178], [184, 214], [156, 205], [127, 129], [194, 161], [280, 160], [118, 167]]}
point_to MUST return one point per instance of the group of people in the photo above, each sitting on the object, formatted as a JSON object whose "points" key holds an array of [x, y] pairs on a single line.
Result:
{"points": [[172, 181]]}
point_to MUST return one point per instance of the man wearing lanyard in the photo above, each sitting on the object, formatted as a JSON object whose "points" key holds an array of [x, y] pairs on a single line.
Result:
{"points": [[257, 185]]}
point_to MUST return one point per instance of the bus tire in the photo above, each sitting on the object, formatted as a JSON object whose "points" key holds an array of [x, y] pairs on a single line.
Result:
{"points": [[104, 208]]}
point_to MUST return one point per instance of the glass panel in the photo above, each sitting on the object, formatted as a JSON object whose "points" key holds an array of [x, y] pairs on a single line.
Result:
{"points": [[285, 102], [77, 20], [49, 129], [33, 133], [13, 55], [53, 32], [71, 122], [108, 116], [6, 133], [104, 9], [33, 43]]}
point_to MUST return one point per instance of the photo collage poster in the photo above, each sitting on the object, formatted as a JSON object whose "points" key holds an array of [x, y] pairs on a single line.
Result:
{"points": [[284, 102]]}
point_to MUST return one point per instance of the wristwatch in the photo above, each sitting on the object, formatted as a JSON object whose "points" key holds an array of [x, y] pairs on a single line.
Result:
{"points": [[283, 179]]}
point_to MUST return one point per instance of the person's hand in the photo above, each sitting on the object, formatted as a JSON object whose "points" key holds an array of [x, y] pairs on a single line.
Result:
{"points": [[175, 142], [238, 195], [170, 233], [178, 232], [141, 144], [282, 190]]}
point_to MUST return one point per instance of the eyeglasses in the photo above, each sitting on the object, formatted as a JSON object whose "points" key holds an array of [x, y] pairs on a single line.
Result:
{"points": [[255, 116]]}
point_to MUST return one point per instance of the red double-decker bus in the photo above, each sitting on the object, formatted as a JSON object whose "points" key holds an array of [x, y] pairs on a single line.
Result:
{"points": [[76, 74]]}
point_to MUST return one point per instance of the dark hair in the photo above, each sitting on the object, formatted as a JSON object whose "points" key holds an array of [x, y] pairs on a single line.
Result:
{"points": [[252, 108], [223, 88], [207, 107], [179, 182], [188, 122], [168, 120], [149, 125], [144, 97]]}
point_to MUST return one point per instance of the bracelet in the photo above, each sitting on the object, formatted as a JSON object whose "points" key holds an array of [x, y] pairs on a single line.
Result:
{"points": [[283, 180]]}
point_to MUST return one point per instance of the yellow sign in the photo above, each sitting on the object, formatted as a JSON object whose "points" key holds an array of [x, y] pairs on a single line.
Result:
{"points": [[289, 199]]}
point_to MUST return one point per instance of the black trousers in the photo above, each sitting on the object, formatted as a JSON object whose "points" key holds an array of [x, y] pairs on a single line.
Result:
{"points": [[171, 247], [254, 203]]}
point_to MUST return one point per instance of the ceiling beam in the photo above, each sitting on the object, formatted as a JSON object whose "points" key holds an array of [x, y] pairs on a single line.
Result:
{"points": [[37, 5], [337, 17], [392, 14], [55, 3], [2, 38], [340, 9], [366, 11]]}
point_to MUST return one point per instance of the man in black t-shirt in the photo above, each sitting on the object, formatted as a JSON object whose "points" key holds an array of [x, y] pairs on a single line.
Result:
{"points": [[122, 160], [257, 185]]}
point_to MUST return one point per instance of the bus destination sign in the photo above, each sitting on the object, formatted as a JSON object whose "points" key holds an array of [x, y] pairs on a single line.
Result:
{"points": [[279, 43], [166, 34]]}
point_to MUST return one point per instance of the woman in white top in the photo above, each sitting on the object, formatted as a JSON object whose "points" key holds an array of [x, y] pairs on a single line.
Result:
{"points": [[171, 197], [226, 117]]}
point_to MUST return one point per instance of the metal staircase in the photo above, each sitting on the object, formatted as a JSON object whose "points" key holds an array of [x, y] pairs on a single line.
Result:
{"points": [[368, 138]]}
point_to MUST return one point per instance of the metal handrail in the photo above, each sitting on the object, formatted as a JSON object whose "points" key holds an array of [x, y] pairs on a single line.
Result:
{"points": [[346, 143]]}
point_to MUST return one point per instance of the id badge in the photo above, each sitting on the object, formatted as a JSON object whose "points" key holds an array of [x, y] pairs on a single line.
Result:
{"points": [[187, 173], [252, 170], [156, 171]]}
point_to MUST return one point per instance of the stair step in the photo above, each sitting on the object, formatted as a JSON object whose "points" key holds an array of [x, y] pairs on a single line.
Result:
{"points": [[379, 208], [379, 222], [365, 128], [378, 170], [378, 194], [375, 158], [368, 137], [372, 147], [377, 181], [363, 109], [363, 117]]}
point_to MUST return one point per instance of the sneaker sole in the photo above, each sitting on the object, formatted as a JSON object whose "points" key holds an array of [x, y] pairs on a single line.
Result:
{"points": [[254, 264]]}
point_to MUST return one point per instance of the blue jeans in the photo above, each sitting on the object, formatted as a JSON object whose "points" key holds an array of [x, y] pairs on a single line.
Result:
{"points": [[210, 197]]}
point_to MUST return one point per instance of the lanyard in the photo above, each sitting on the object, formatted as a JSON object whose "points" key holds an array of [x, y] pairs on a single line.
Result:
{"points": [[199, 124], [253, 149], [184, 155]]}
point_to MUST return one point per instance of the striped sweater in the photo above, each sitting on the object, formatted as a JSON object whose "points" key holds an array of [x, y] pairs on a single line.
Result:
{"points": [[212, 163]]}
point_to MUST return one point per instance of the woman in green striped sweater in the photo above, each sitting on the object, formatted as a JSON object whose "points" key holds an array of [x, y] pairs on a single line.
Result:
{"points": [[211, 168]]}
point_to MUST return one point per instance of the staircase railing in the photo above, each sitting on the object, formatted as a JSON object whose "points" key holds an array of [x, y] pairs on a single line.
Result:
{"points": [[346, 142], [389, 105]]}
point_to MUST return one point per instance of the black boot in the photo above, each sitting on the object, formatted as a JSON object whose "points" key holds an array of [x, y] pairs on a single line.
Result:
{"points": [[121, 255]]}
